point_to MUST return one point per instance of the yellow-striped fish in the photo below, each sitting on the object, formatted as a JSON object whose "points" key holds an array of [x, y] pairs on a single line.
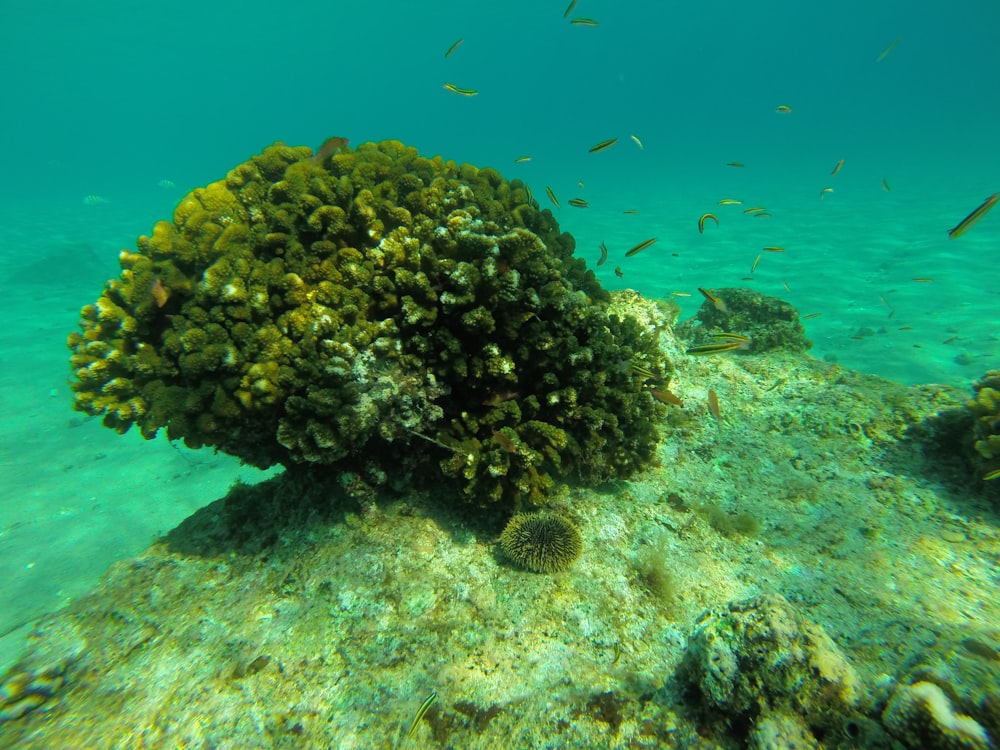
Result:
{"points": [[630, 212], [703, 219], [522, 159], [452, 48], [755, 262], [460, 91], [428, 702], [583, 22], [810, 316], [965, 224], [824, 191], [717, 303], [552, 196], [598, 147], [716, 348], [730, 202], [837, 168], [640, 247], [772, 249], [991, 475], [637, 142], [887, 50], [735, 164], [753, 209], [578, 202], [783, 108], [569, 8]]}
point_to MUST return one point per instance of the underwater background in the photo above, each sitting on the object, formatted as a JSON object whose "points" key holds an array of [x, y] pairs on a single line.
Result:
{"points": [[113, 110]]}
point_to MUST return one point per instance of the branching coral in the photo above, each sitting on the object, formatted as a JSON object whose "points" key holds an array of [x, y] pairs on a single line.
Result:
{"points": [[372, 310]]}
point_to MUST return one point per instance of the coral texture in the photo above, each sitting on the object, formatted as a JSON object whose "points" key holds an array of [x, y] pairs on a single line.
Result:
{"points": [[771, 323], [759, 658], [922, 716], [378, 312], [542, 542], [985, 408]]}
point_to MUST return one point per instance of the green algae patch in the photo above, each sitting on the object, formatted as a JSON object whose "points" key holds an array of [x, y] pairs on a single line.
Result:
{"points": [[402, 318]]}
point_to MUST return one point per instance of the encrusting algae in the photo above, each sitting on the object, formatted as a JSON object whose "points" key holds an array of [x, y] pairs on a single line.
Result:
{"points": [[377, 311]]}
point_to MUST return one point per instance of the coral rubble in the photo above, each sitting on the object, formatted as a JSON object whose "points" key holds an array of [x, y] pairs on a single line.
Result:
{"points": [[401, 317]]}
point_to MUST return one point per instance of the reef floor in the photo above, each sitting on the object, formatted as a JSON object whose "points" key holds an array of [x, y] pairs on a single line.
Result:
{"points": [[298, 614]]}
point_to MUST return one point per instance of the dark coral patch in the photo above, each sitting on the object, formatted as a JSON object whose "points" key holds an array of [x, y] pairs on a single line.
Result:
{"points": [[375, 311]]}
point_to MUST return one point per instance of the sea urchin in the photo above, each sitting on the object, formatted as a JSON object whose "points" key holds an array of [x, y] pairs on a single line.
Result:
{"points": [[542, 542]]}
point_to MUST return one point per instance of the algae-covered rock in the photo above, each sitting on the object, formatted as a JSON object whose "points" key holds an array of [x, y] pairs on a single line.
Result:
{"points": [[769, 322], [760, 659], [378, 312]]}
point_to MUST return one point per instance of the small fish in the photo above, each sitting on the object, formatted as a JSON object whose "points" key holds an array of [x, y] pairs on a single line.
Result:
{"points": [[578, 202], [762, 214], [637, 142], [887, 50], [579, 184], [166, 184], [460, 91], [885, 185], [552, 196], [681, 294], [753, 209], [569, 8], [784, 108], [923, 279], [728, 336], [640, 247], [716, 348], [159, 292], [428, 702], [604, 254], [94, 200], [522, 159], [703, 219], [837, 168], [811, 315], [598, 147], [735, 164], [640, 369], [618, 646], [531, 198], [772, 249], [583, 22], [755, 262], [330, 147], [965, 224], [713, 405], [785, 284], [630, 212], [730, 202], [824, 191], [905, 328], [716, 302], [991, 475], [452, 48], [619, 272], [666, 397]]}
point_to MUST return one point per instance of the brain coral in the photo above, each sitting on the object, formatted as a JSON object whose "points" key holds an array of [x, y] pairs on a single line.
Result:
{"points": [[375, 311]]}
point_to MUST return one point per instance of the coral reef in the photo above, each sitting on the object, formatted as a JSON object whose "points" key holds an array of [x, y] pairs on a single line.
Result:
{"points": [[985, 409], [38, 676], [542, 542], [951, 698], [759, 659], [771, 323], [378, 312], [922, 716]]}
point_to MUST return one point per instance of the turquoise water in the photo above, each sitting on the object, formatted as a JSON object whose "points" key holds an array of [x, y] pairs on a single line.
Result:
{"points": [[136, 104]]}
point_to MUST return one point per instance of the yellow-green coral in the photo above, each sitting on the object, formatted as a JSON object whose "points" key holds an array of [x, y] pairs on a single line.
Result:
{"points": [[985, 409], [375, 311]]}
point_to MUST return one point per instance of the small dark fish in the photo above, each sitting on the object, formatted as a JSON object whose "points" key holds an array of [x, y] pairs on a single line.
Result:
{"points": [[569, 8], [578, 202], [965, 224], [887, 50], [604, 254], [603, 145], [452, 48], [619, 272], [583, 22], [837, 168], [630, 212], [735, 164], [640, 247], [331, 147]]}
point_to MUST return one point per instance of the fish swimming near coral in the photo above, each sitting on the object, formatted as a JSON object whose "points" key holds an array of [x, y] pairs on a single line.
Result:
{"points": [[331, 147]]}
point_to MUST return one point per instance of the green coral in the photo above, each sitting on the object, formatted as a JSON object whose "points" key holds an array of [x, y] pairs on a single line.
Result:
{"points": [[377, 312], [770, 322], [985, 410]]}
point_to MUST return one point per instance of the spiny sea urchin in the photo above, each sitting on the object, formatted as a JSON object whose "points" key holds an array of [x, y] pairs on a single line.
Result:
{"points": [[542, 542]]}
